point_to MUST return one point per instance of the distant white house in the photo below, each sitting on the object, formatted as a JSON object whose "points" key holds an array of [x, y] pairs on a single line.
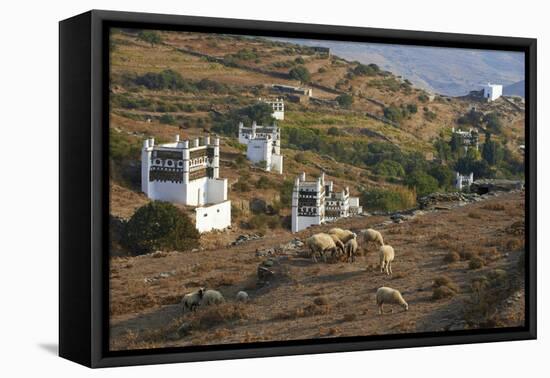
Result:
{"points": [[492, 91], [263, 145], [187, 172], [463, 181], [278, 106]]}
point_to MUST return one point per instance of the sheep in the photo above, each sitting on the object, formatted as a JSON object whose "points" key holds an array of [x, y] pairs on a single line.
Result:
{"points": [[387, 255], [192, 300], [372, 236], [212, 297], [390, 296], [242, 296], [319, 244], [343, 235], [340, 248], [351, 249]]}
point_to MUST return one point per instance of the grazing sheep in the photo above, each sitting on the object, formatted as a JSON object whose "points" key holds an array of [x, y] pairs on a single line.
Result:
{"points": [[242, 296], [387, 255], [351, 249], [192, 300], [387, 295], [319, 244], [340, 248], [343, 235], [212, 297], [372, 236]]}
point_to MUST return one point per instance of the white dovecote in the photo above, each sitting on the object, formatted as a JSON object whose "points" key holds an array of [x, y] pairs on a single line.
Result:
{"points": [[263, 145], [187, 172]]}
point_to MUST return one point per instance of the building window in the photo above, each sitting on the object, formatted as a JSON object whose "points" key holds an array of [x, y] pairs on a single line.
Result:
{"points": [[205, 215]]}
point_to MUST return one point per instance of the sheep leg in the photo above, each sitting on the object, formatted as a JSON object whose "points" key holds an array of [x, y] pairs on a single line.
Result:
{"points": [[389, 265], [380, 310]]}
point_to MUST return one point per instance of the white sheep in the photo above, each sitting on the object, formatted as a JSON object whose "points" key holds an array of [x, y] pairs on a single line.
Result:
{"points": [[212, 297], [343, 235], [319, 244], [242, 296], [372, 236], [387, 295], [340, 247], [191, 301], [387, 254], [351, 249]]}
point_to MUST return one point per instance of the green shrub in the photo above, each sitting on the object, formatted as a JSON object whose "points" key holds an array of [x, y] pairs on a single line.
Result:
{"points": [[389, 168], [412, 108], [393, 113], [391, 199], [334, 131], [300, 73], [160, 226], [345, 101], [167, 119], [430, 116], [264, 183], [150, 36], [241, 186], [443, 174], [422, 182], [366, 70], [286, 193]]}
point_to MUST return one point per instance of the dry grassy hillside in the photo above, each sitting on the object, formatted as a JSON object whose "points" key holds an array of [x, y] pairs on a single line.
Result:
{"points": [[235, 61], [312, 300]]}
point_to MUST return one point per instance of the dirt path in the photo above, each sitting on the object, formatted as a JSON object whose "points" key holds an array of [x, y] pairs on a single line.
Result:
{"points": [[321, 300]]}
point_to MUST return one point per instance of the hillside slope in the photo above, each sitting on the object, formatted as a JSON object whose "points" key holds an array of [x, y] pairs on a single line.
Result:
{"points": [[309, 300]]}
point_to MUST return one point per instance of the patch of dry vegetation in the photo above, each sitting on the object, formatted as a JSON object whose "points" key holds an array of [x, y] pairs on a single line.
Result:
{"points": [[488, 292], [493, 207], [444, 287]]}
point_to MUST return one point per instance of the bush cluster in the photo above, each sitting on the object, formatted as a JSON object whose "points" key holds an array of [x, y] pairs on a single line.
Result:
{"points": [[159, 226]]}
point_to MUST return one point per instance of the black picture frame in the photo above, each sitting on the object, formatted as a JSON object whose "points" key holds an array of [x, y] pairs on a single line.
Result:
{"points": [[83, 181]]}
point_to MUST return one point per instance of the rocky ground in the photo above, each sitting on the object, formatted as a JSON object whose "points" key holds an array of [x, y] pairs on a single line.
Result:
{"points": [[475, 242]]}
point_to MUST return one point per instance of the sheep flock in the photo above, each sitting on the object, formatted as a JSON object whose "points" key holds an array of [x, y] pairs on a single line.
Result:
{"points": [[336, 243]]}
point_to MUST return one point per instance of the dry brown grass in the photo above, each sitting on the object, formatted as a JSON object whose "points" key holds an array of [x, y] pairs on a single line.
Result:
{"points": [[474, 215], [349, 317], [313, 309], [487, 294], [399, 275], [516, 228], [299, 307], [493, 207], [444, 287], [329, 331], [212, 316], [514, 244], [476, 262], [451, 257]]}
